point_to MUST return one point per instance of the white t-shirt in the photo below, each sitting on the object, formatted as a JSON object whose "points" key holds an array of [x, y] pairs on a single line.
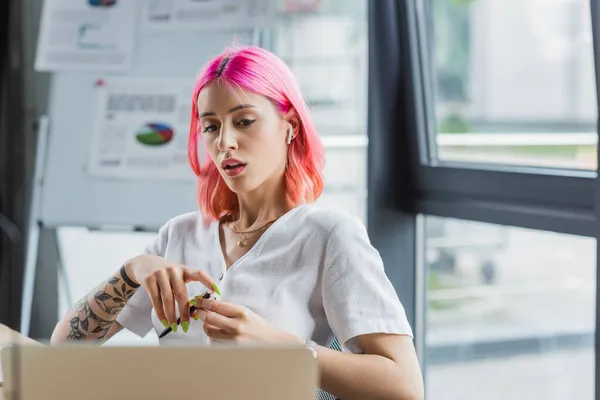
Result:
{"points": [[312, 273]]}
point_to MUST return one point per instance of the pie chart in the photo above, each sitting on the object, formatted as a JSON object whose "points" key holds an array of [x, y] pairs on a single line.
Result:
{"points": [[154, 134], [102, 3]]}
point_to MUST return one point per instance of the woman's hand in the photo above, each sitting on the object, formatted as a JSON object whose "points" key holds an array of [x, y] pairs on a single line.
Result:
{"points": [[165, 283], [227, 321]]}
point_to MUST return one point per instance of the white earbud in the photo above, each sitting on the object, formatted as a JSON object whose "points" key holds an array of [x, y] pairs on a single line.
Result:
{"points": [[290, 135]]}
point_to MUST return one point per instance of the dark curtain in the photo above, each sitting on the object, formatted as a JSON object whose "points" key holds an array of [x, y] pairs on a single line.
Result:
{"points": [[13, 206]]}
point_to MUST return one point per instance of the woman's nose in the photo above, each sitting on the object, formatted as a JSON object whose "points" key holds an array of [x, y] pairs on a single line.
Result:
{"points": [[227, 140]]}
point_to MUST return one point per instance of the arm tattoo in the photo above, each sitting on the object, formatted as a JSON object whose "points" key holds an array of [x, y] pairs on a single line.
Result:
{"points": [[86, 321], [110, 298]]}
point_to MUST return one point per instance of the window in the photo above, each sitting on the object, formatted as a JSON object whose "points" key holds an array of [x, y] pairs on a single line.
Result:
{"points": [[513, 83], [510, 310], [325, 45], [492, 151]]}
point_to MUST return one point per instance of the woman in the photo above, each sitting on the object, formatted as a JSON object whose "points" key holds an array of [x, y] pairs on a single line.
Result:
{"points": [[288, 271]]}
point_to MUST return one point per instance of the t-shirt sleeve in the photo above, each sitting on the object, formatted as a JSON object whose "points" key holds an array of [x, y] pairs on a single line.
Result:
{"points": [[358, 297], [136, 316]]}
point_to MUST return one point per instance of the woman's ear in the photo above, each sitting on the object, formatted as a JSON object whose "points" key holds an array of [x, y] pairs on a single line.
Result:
{"points": [[292, 129]]}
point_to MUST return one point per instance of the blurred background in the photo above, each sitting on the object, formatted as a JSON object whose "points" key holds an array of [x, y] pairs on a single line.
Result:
{"points": [[502, 310]]}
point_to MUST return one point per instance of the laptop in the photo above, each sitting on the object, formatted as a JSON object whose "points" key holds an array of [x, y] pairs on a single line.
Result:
{"points": [[220, 372]]}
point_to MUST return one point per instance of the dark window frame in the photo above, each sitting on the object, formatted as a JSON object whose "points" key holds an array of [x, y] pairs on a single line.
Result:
{"points": [[402, 185]]}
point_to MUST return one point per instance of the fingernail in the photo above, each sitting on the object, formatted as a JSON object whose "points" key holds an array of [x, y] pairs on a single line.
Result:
{"points": [[195, 317], [174, 327], [216, 288], [165, 323], [193, 302], [185, 326]]}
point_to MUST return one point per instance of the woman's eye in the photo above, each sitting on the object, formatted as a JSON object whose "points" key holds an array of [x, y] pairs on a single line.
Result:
{"points": [[246, 122], [209, 128]]}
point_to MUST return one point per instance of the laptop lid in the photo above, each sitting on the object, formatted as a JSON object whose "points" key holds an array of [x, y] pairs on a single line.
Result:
{"points": [[219, 372]]}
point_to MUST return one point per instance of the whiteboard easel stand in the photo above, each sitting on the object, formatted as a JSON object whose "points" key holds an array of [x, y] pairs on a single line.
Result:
{"points": [[39, 304]]}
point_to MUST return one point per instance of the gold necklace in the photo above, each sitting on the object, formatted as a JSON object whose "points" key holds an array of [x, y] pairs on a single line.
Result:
{"points": [[245, 235]]}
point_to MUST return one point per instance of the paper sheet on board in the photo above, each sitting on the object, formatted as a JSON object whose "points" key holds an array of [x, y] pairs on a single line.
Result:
{"points": [[86, 35], [141, 129], [207, 14]]}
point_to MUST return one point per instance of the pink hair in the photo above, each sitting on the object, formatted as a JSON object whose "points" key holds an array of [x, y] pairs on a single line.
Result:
{"points": [[259, 71]]}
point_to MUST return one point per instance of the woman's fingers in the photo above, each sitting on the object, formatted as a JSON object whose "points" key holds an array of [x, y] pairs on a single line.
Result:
{"points": [[223, 308], [169, 295], [180, 294], [216, 333], [166, 293], [231, 326], [200, 276], [151, 284]]}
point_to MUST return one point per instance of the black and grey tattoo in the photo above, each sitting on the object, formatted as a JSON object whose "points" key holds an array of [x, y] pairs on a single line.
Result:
{"points": [[86, 322], [112, 300], [96, 313]]}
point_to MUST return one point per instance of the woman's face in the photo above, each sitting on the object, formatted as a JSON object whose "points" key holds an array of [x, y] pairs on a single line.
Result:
{"points": [[245, 136]]}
